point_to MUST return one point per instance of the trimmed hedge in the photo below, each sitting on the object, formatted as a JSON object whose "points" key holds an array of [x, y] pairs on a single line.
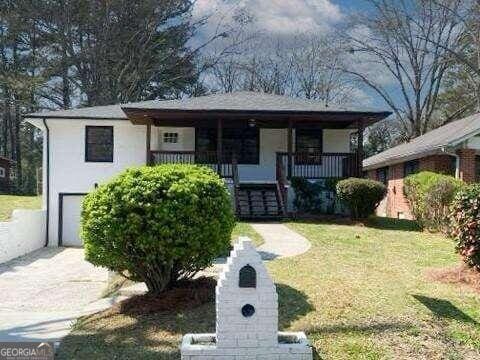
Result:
{"points": [[430, 196], [465, 224], [361, 196], [158, 224]]}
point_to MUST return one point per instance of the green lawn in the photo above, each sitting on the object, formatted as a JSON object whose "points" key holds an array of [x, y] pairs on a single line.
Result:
{"points": [[11, 202], [359, 293], [244, 229]]}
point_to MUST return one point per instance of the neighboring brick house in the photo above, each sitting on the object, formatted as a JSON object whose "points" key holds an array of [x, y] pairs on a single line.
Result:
{"points": [[452, 149], [5, 174]]}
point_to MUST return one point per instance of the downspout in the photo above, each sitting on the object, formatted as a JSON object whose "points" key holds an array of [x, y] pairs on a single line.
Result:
{"points": [[457, 161], [47, 170]]}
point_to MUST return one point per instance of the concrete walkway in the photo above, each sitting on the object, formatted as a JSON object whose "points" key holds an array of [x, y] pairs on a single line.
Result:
{"points": [[43, 292], [280, 241]]}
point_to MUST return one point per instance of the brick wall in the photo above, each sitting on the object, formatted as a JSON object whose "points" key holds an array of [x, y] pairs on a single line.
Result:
{"points": [[442, 164], [467, 165], [397, 204]]}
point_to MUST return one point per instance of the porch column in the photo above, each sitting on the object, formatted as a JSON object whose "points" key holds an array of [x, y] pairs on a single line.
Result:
{"points": [[289, 148], [148, 144], [219, 145], [360, 127]]}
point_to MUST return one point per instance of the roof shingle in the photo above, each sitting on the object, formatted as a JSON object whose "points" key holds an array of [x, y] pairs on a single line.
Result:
{"points": [[448, 135]]}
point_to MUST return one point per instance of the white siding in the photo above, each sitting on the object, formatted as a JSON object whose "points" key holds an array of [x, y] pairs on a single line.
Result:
{"points": [[336, 140], [69, 173]]}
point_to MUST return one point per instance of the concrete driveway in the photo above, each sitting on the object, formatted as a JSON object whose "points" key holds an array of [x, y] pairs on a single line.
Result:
{"points": [[42, 293]]}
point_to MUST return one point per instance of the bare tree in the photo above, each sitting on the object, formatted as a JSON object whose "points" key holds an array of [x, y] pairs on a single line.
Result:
{"points": [[461, 95], [404, 43], [318, 62]]}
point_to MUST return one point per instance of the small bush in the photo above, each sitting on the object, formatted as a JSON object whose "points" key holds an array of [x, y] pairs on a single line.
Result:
{"points": [[158, 224], [465, 224], [430, 195], [307, 195], [361, 196]]}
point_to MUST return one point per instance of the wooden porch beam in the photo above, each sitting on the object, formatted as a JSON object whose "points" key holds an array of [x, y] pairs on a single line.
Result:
{"points": [[219, 145], [148, 144], [360, 152], [289, 147]]}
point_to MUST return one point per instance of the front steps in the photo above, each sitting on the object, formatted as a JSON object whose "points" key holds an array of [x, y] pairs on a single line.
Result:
{"points": [[256, 201]]}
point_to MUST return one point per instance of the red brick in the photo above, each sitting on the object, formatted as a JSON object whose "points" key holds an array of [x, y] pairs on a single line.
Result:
{"points": [[467, 164]]}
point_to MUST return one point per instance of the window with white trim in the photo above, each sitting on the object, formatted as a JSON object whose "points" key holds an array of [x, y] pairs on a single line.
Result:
{"points": [[170, 138], [2, 172]]}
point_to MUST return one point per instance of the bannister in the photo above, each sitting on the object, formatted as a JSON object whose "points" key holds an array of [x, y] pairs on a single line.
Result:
{"points": [[319, 165], [224, 168], [281, 184]]}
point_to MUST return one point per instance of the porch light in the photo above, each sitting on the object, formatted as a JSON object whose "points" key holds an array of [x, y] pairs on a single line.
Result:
{"points": [[252, 123]]}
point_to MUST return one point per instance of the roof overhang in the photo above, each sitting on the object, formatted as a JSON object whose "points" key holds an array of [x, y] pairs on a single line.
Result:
{"points": [[267, 119]]}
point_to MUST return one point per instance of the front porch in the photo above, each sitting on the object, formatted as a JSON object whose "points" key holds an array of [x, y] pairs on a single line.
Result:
{"points": [[258, 166], [257, 142]]}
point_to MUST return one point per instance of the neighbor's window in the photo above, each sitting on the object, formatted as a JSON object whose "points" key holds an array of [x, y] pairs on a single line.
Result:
{"points": [[170, 137], [410, 167], [382, 175], [99, 144], [308, 146], [2, 172]]}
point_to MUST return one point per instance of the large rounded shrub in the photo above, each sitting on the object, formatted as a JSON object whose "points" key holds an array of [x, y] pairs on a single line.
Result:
{"points": [[465, 224], [430, 196], [158, 224], [361, 196]]}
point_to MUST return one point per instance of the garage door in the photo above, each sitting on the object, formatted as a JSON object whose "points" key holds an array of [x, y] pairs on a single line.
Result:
{"points": [[70, 219]]}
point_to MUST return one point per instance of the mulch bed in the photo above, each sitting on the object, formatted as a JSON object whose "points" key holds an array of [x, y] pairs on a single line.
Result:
{"points": [[186, 294], [460, 275]]}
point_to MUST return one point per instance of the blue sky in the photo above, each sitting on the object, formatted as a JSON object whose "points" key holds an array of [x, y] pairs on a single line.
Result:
{"points": [[288, 17]]}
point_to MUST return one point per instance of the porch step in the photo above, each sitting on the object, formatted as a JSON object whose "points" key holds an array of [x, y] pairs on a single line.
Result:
{"points": [[258, 201]]}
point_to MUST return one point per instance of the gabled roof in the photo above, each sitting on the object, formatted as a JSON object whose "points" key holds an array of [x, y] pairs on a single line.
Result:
{"points": [[449, 135], [237, 101]]}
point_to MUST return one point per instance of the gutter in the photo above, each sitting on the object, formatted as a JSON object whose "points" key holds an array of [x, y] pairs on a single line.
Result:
{"points": [[47, 139]]}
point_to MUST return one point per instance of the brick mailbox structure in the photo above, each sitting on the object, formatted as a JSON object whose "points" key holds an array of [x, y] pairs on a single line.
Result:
{"points": [[247, 316]]}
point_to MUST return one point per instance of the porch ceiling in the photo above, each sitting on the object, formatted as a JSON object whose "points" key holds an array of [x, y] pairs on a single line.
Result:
{"points": [[263, 119]]}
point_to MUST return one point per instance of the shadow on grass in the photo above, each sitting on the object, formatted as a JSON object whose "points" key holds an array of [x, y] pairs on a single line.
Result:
{"points": [[376, 222], [444, 309], [384, 223], [369, 328], [111, 335], [292, 305]]}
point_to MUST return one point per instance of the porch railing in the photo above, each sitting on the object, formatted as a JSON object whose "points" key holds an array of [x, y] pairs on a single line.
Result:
{"points": [[317, 165], [225, 168]]}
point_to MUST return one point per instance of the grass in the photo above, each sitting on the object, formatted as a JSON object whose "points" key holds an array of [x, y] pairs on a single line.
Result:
{"points": [[359, 293], [244, 229], [10, 202]]}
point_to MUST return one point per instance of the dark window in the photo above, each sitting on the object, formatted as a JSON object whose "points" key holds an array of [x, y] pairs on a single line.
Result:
{"points": [[410, 167], [382, 175], [308, 146], [99, 143], [244, 143], [170, 137], [247, 277]]}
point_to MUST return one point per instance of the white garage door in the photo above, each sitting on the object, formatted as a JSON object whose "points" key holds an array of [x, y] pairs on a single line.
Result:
{"points": [[72, 206]]}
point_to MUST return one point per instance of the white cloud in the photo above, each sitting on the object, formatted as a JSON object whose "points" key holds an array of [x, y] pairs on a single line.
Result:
{"points": [[276, 17]]}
